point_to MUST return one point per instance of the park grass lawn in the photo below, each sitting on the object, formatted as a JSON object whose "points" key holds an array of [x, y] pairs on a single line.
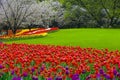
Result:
{"points": [[95, 38]]}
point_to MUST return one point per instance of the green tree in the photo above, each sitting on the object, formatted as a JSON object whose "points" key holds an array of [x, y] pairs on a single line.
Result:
{"points": [[105, 13]]}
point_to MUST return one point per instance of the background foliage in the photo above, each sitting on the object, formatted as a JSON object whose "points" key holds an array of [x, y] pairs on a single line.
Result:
{"points": [[61, 13]]}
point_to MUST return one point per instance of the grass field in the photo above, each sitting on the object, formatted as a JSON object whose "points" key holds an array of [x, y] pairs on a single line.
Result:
{"points": [[95, 38]]}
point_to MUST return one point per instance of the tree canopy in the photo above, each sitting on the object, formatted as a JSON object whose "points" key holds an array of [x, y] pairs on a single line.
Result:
{"points": [[63, 13], [105, 13]]}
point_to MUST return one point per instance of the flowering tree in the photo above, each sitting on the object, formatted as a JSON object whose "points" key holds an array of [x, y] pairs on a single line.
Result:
{"points": [[14, 12], [17, 13], [47, 12]]}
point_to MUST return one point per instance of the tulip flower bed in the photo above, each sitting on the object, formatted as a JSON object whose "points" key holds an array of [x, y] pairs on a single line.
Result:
{"points": [[49, 62], [30, 33]]}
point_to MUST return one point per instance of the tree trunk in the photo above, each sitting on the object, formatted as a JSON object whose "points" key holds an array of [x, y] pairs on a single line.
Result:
{"points": [[6, 32], [14, 30]]}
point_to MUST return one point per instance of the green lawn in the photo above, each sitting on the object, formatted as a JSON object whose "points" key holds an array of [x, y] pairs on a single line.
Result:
{"points": [[96, 38]]}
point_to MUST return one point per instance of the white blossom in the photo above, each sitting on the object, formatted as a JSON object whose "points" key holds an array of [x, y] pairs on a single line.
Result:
{"points": [[31, 12]]}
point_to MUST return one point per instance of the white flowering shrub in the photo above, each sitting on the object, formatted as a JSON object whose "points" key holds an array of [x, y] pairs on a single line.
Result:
{"points": [[46, 12], [20, 13]]}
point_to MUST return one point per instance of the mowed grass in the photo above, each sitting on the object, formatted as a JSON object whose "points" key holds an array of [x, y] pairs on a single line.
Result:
{"points": [[95, 38]]}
